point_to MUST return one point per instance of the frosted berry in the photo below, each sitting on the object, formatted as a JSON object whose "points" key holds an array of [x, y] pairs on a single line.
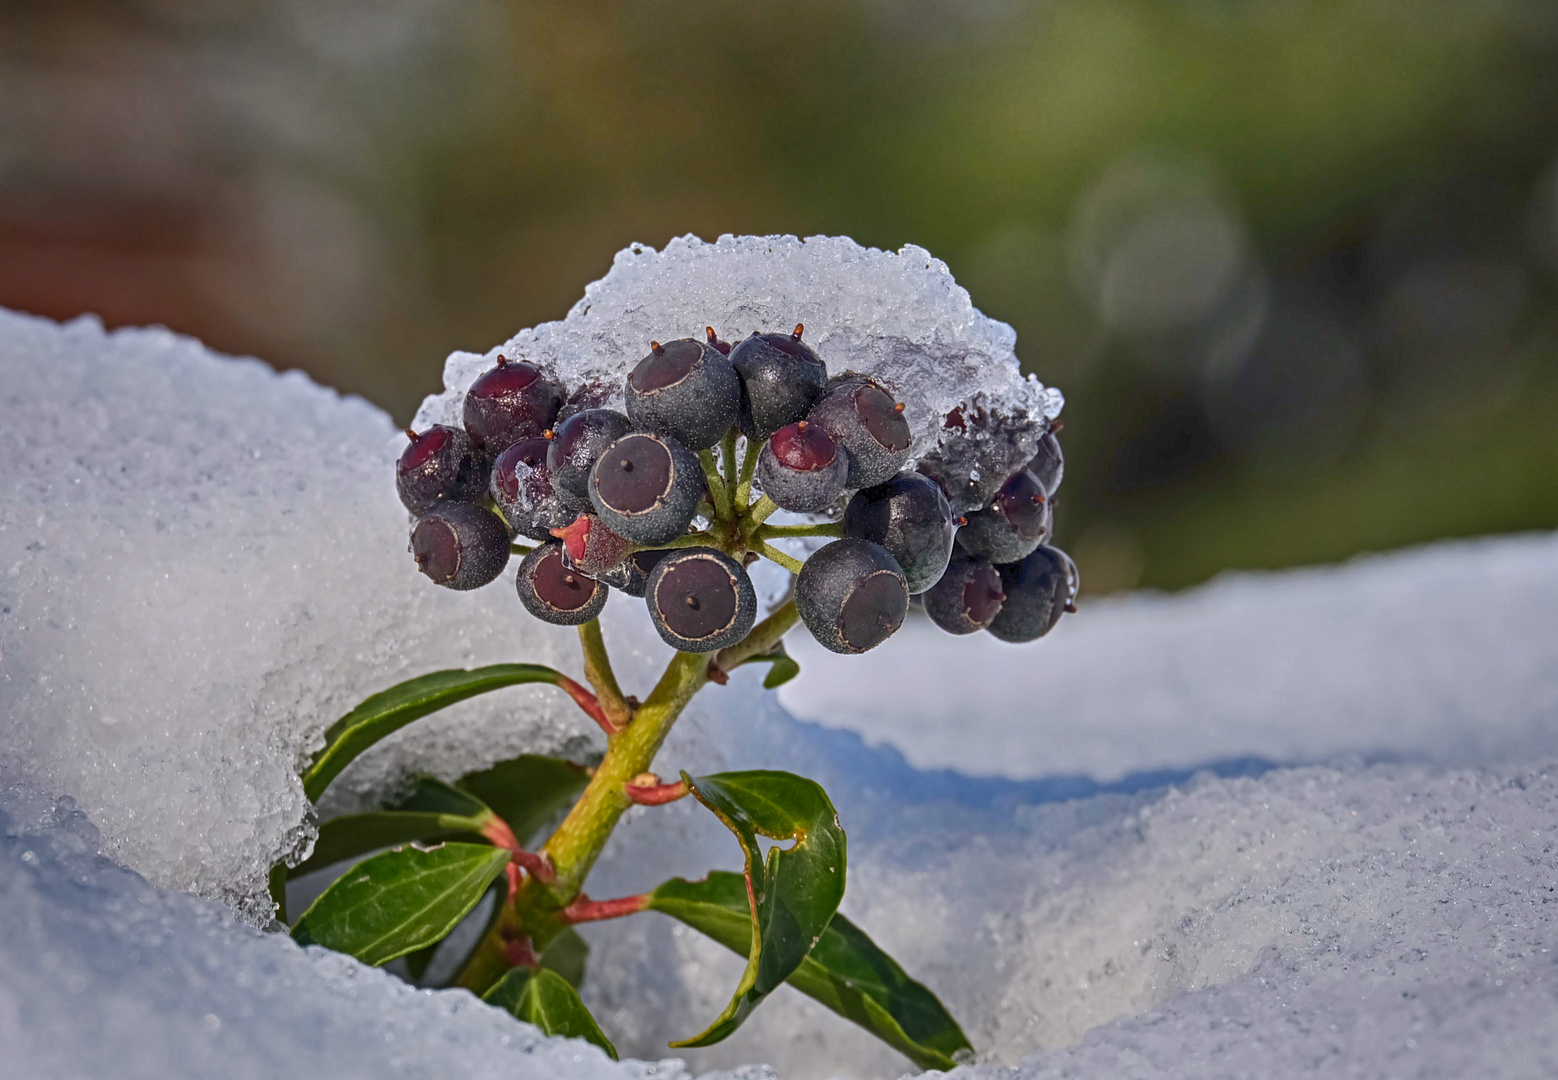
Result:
{"points": [[1016, 523], [441, 464], [801, 468], [1039, 590], [460, 545], [512, 401], [714, 341], [1049, 464], [576, 443], [647, 487], [979, 450], [967, 598], [632, 576], [686, 389], [591, 546], [910, 517], [851, 595], [781, 379], [866, 421], [522, 487], [555, 592], [700, 600]]}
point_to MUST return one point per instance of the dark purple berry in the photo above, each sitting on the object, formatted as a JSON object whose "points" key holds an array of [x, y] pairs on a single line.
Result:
{"points": [[714, 341], [591, 546], [908, 516], [866, 421], [576, 443], [968, 596], [632, 576], [442, 464], [700, 600], [522, 488], [1049, 464], [781, 379], [513, 401], [1016, 523], [979, 450], [801, 468], [1039, 590], [686, 389], [555, 592], [851, 595], [460, 545], [647, 487]]}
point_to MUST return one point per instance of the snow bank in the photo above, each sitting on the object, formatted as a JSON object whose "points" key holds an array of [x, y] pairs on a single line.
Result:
{"points": [[202, 564]]}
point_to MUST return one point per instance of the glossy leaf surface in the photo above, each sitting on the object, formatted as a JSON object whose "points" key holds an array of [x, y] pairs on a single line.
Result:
{"points": [[793, 894], [432, 811], [845, 971], [390, 710], [545, 999], [400, 901]]}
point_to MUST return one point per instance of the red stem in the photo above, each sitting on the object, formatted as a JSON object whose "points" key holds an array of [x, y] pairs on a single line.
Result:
{"points": [[537, 866], [655, 794], [583, 909], [589, 703]]}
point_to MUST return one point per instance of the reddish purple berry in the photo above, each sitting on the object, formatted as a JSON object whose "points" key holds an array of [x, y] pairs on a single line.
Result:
{"points": [[441, 464], [1049, 464], [576, 444], [851, 595], [555, 592], [802, 468], [781, 379], [909, 516], [512, 401], [522, 488], [1016, 523], [686, 389], [866, 421], [1039, 590], [967, 598], [700, 600], [647, 487], [460, 545], [591, 546]]}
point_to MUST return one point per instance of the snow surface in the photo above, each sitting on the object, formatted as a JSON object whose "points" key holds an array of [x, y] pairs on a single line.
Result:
{"points": [[202, 564]]}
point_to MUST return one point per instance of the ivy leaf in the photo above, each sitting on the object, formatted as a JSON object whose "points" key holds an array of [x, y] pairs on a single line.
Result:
{"points": [[793, 895], [845, 971], [390, 710], [433, 810], [526, 791], [544, 998], [566, 955], [400, 901], [782, 666]]}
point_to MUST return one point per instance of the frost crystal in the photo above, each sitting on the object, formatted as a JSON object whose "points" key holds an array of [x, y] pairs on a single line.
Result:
{"points": [[897, 316]]}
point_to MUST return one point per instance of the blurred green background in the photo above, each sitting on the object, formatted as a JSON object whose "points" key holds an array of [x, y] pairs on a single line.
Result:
{"points": [[1293, 263]]}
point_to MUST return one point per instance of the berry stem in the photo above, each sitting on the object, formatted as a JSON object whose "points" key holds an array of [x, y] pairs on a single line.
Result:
{"points": [[761, 640], [521, 549], [772, 532], [761, 511], [717, 490], [768, 551], [700, 538], [728, 467], [597, 669], [748, 470]]}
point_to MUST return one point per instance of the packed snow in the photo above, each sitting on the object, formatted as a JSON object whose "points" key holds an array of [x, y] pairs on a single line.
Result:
{"points": [[1279, 825]]}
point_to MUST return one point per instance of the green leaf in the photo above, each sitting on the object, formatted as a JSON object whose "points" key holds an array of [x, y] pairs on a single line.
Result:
{"points": [[400, 901], [793, 895], [527, 791], [845, 971], [431, 811], [566, 955], [390, 710], [544, 998]]}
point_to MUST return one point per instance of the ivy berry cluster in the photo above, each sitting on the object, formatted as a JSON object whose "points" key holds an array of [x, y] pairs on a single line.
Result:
{"points": [[616, 501]]}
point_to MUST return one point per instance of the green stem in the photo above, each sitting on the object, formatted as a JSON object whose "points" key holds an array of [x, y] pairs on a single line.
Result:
{"points": [[597, 669], [521, 549], [761, 641], [717, 490], [768, 551], [701, 538], [761, 511], [827, 528], [728, 467], [748, 470]]}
